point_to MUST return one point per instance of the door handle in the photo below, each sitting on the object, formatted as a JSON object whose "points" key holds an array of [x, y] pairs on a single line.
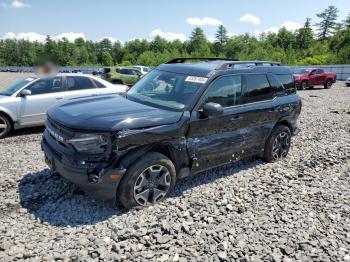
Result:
{"points": [[59, 98], [235, 118]]}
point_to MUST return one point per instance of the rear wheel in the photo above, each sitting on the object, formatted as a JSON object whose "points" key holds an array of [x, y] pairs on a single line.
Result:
{"points": [[117, 82], [5, 126], [148, 181], [278, 144], [328, 84]]}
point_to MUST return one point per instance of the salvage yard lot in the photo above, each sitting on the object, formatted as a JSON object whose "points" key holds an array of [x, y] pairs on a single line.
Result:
{"points": [[297, 209]]}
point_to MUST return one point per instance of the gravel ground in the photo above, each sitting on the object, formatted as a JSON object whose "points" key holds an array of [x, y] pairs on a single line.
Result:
{"points": [[294, 210]]}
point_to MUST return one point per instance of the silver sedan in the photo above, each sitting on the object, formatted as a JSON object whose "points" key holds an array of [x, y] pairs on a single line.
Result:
{"points": [[24, 104]]}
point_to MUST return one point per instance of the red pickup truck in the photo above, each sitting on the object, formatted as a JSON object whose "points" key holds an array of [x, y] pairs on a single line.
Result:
{"points": [[310, 77]]}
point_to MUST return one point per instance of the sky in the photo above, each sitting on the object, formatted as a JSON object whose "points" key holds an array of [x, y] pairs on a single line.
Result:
{"points": [[175, 19]]}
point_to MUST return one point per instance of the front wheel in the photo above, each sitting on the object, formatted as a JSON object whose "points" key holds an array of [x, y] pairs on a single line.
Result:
{"points": [[303, 85], [278, 144], [328, 84], [148, 181], [5, 126]]}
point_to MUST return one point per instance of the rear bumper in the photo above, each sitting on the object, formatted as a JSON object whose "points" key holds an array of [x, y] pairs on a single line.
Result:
{"points": [[98, 185]]}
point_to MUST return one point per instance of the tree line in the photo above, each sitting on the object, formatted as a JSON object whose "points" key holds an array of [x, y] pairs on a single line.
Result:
{"points": [[331, 44]]}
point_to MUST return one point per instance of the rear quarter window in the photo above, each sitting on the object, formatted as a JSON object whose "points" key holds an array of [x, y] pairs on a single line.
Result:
{"points": [[256, 88], [287, 81]]}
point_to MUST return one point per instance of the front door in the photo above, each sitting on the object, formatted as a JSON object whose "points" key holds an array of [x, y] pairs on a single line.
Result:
{"points": [[213, 141], [45, 92]]}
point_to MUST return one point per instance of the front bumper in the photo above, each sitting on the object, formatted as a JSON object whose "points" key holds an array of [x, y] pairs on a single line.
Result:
{"points": [[99, 184]]}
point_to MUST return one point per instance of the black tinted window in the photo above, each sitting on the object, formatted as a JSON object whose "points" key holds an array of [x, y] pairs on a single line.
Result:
{"points": [[98, 84], [124, 71], [276, 84], [256, 88], [47, 85], [79, 83], [287, 81], [319, 71], [106, 70], [225, 91]]}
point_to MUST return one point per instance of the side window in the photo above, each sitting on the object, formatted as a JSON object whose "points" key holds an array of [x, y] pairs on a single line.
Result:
{"points": [[98, 84], [256, 88], [79, 83], [314, 72], [225, 91], [47, 85], [135, 72], [276, 84], [124, 71], [287, 81], [319, 71]]}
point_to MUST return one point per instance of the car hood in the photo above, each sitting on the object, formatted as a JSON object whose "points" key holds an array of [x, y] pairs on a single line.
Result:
{"points": [[299, 75], [110, 113]]}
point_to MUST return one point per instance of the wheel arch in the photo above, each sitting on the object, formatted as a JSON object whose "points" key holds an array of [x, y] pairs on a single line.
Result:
{"points": [[167, 149], [8, 115]]}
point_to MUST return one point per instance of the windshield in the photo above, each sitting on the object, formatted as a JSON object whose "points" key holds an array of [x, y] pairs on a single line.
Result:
{"points": [[10, 90], [300, 71], [165, 89]]}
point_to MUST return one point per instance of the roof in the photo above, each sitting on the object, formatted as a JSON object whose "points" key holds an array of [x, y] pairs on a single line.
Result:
{"points": [[207, 68]]}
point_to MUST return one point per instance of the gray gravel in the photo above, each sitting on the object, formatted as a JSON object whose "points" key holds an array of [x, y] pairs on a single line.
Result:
{"points": [[294, 210]]}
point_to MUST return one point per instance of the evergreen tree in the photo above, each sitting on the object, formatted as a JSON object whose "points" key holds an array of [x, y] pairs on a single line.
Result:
{"points": [[328, 23], [221, 35]]}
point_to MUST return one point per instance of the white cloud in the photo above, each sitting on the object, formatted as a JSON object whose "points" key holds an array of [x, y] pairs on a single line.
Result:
{"points": [[203, 21], [289, 25], [168, 35], [32, 36], [70, 36], [112, 39], [19, 4], [249, 18]]}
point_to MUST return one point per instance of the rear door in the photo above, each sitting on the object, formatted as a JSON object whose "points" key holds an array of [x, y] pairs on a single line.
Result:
{"points": [[46, 92], [78, 86]]}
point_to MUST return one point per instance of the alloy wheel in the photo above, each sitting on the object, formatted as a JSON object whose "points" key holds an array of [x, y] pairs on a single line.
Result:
{"points": [[281, 145], [3, 125], [152, 185]]}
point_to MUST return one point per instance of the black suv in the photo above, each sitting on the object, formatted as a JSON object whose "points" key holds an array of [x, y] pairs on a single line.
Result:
{"points": [[181, 118]]}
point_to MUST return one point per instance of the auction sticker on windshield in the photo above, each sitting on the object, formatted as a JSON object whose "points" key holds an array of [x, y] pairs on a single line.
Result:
{"points": [[196, 79]]}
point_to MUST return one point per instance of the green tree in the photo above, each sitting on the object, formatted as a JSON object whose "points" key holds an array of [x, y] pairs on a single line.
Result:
{"points": [[304, 36], [328, 23], [198, 44], [106, 59]]}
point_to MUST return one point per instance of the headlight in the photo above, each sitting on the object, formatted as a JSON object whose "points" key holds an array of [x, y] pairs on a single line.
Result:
{"points": [[89, 143]]}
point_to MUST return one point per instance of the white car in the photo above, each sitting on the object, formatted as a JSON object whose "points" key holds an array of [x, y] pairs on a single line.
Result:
{"points": [[143, 69], [24, 104], [347, 81]]}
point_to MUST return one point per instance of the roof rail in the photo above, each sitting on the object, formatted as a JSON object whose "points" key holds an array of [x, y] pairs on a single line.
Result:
{"points": [[248, 63], [184, 59]]}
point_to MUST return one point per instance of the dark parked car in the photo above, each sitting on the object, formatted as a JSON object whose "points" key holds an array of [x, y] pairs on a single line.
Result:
{"points": [[179, 119]]}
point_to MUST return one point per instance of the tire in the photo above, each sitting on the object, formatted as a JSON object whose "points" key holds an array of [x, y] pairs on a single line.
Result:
{"points": [[149, 176], [328, 84], [5, 125], [303, 85], [274, 152], [117, 82], [348, 85]]}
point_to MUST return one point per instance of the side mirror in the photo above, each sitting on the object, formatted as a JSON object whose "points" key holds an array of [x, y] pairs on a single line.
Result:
{"points": [[26, 92], [212, 109]]}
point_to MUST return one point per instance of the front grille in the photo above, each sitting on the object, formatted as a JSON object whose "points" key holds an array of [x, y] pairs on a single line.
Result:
{"points": [[59, 133]]}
